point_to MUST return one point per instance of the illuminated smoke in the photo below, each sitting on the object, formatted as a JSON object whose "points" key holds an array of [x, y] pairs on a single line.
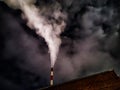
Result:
{"points": [[49, 27]]}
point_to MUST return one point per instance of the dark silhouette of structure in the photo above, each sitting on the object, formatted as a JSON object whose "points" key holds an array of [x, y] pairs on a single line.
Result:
{"points": [[103, 81]]}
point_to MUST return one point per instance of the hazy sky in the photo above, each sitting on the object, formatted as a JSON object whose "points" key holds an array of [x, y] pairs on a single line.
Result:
{"points": [[90, 44]]}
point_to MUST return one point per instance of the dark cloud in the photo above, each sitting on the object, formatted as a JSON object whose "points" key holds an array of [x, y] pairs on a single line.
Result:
{"points": [[22, 53], [90, 44]]}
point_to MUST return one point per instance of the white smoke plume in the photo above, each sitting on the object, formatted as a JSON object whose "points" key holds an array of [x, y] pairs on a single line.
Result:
{"points": [[49, 29]]}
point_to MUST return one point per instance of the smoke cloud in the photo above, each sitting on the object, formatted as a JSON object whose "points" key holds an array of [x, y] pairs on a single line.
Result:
{"points": [[90, 41], [48, 29], [85, 48]]}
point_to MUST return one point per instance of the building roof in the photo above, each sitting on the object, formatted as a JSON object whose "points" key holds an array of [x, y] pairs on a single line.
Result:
{"points": [[103, 81]]}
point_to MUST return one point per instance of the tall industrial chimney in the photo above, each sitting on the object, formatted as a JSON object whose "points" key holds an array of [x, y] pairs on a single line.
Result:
{"points": [[51, 76]]}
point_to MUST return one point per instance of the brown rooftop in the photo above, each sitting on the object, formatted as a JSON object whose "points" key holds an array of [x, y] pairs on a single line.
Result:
{"points": [[103, 81]]}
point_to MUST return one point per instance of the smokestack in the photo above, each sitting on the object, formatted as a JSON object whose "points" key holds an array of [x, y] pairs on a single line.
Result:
{"points": [[51, 76]]}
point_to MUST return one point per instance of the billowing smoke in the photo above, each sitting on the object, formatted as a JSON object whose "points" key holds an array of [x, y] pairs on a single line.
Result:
{"points": [[85, 48], [49, 26], [90, 42]]}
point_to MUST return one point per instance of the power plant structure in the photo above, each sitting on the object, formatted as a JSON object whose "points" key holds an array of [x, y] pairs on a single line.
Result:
{"points": [[51, 77], [102, 81]]}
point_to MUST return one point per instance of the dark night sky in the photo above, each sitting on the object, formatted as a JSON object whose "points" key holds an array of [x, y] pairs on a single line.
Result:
{"points": [[90, 44]]}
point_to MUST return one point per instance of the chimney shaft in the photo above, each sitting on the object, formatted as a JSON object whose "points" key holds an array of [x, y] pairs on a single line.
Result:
{"points": [[51, 76]]}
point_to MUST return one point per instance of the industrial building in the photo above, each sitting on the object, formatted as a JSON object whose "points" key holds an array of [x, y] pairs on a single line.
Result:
{"points": [[102, 81]]}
